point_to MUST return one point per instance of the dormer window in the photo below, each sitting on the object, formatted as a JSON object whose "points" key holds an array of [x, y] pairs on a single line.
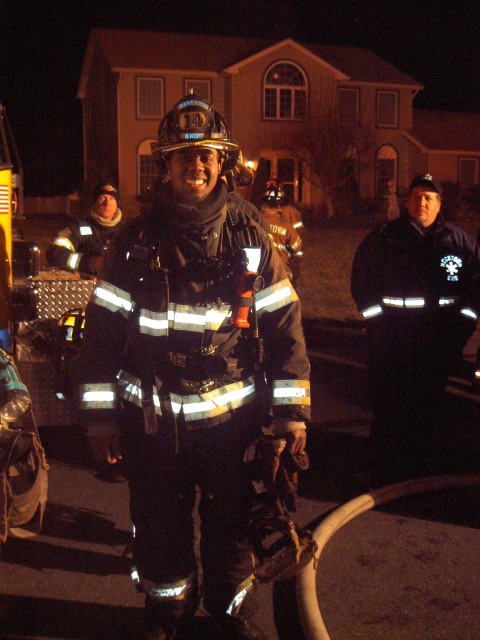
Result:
{"points": [[285, 92]]}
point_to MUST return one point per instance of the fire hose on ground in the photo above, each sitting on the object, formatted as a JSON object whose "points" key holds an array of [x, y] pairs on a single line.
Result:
{"points": [[307, 600]]}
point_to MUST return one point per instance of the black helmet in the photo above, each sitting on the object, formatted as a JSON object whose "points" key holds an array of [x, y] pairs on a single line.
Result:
{"points": [[193, 122], [274, 196]]}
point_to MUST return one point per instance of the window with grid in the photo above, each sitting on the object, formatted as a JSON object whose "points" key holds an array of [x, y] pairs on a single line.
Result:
{"points": [[467, 172], [387, 109], [202, 87], [147, 174], [285, 93], [348, 106], [149, 98]]}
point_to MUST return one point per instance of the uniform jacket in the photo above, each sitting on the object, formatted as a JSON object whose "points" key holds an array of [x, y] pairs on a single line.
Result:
{"points": [[78, 246], [164, 300], [285, 236], [404, 275]]}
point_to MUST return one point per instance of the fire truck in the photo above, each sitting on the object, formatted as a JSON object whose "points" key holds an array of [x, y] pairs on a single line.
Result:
{"points": [[44, 309]]}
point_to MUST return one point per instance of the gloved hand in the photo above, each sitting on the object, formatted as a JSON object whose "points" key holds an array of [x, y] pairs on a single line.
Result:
{"points": [[279, 467]]}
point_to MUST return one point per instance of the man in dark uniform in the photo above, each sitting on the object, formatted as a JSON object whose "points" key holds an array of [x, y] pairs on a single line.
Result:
{"points": [[415, 280], [81, 246], [165, 353]]}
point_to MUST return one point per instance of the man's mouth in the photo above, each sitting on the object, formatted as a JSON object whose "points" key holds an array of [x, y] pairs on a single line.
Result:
{"points": [[196, 184]]}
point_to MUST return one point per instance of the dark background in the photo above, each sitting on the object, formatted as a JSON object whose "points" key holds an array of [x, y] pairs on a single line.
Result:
{"points": [[42, 46]]}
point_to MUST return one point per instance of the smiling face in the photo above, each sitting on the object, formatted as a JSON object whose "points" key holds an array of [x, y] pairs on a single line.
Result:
{"points": [[194, 173], [423, 205]]}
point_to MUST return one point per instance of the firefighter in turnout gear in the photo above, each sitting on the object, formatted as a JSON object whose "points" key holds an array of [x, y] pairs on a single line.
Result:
{"points": [[166, 358], [284, 222], [81, 246], [416, 281]]}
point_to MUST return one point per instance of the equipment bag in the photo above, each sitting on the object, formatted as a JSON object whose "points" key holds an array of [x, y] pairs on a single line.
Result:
{"points": [[23, 483]]}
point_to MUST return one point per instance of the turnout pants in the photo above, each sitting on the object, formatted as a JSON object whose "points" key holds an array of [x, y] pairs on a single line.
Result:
{"points": [[163, 488]]}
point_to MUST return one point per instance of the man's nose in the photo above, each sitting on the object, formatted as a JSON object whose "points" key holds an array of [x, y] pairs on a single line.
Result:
{"points": [[196, 161]]}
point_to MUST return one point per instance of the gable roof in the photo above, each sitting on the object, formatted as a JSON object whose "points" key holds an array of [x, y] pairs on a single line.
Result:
{"points": [[128, 49], [445, 131]]}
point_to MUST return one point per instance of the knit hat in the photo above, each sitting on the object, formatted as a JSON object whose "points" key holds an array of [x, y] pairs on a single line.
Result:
{"points": [[106, 189]]}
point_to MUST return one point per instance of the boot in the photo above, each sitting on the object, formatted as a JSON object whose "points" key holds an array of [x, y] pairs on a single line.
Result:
{"points": [[238, 628]]}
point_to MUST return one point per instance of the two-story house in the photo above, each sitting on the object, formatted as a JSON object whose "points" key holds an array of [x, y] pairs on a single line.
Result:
{"points": [[130, 79]]}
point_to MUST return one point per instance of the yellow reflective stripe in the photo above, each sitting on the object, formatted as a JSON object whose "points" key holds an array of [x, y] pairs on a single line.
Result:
{"points": [[64, 242], [195, 406], [98, 396], [275, 297], [183, 318], [153, 323], [291, 392], [74, 260], [86, 231], [112, 298], [216, 402], [170, 591], [130, 388]]}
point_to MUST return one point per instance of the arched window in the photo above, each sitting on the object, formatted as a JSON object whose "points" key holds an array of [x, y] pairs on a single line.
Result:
{"points": [[387, 165], [285, 92], [146, 169]]}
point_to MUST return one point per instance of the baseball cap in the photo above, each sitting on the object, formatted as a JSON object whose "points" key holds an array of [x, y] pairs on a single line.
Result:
{"points": [[426, 180]]}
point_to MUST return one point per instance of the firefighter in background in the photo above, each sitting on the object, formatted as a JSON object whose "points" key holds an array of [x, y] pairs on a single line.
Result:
{"points": [[81, 246], [416, 281], [165, 357], [284, 221]]}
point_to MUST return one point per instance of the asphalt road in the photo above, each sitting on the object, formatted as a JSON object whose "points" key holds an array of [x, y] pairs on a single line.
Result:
{"points": [[405, 571]]}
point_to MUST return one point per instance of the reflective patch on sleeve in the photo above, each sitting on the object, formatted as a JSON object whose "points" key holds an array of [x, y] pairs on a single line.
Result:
{"points": [[275, 297], [371, 312], [291, 392], [85, 231], [98, 396], [112, 298], [63, 242], [74, 260], [469, 313], [298, 225]]}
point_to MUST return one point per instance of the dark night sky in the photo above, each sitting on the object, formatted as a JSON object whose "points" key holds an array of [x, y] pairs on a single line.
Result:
{"points": [[42, 45]]}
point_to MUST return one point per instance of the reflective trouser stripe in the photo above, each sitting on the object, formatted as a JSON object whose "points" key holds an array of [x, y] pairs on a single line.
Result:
{"points": [[165, 592], [291, 392], [241, 593]]}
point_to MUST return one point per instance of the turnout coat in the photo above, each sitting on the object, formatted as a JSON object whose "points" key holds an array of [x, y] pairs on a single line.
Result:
{"points": [[159, 325]]}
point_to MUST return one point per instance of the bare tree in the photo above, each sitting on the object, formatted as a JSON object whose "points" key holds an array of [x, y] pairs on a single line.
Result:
{"points": [[329, 150]]}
